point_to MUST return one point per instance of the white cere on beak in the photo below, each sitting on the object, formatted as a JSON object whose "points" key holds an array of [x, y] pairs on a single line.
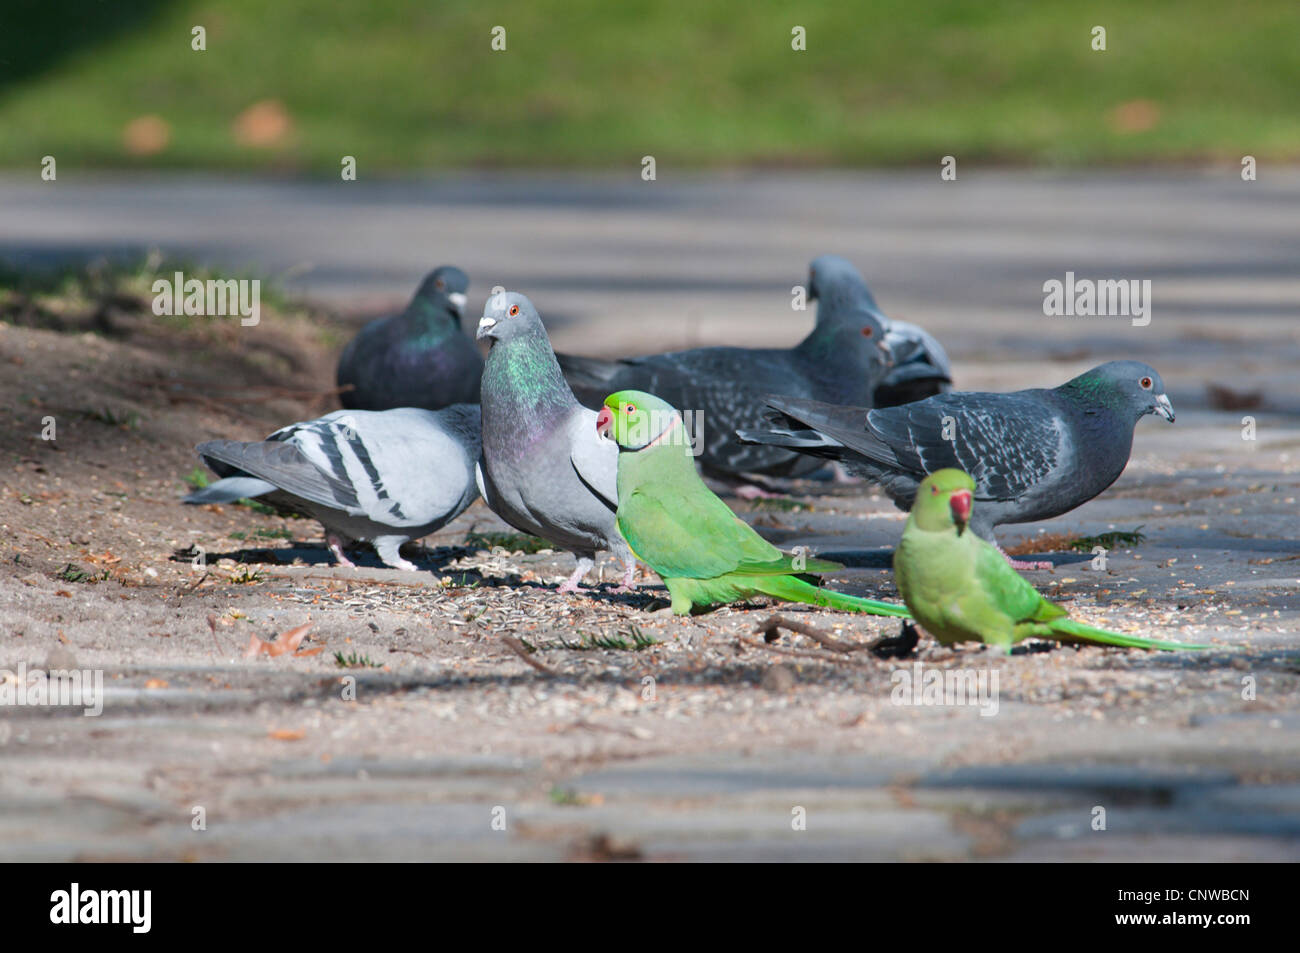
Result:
{"points": [[485, 322], [458, 300]]}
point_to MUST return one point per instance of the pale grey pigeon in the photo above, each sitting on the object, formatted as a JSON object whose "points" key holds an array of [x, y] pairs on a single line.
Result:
{"points": [[1034, 454], [544, 469], [419, 358], [384, 477]]}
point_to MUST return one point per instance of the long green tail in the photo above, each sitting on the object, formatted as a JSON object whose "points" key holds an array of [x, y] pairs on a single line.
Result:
{"points": [[1067, 630], [794, 589]]}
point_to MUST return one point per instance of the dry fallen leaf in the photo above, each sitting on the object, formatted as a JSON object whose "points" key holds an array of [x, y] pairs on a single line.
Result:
{"points": [[288, 734], [155, 683], [285, 642]]}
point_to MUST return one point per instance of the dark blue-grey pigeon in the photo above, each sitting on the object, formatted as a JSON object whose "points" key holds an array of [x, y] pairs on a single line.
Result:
{"points": [[921, 368], [721, 389], [544, 468], [419, 358], [1034, 454], [383, 477]]}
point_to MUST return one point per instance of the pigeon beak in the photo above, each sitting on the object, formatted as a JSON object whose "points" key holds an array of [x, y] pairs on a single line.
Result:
{"points": [[485, 326], [1164, 408], [458, 302], [887, 352], [960, 503], [604, 421]]}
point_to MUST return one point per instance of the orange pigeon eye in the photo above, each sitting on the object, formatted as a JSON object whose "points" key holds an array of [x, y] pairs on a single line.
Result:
{"points": [[1146, 383], [514, 309], [867, 332], [440, 284]]}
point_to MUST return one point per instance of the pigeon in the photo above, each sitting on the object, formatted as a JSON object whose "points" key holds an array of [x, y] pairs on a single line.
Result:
{"points": [[1034, 454], [419, 358], [960, 590], [704, 553], [385, 477], [720, 389], [544, 469], [921, 368]]}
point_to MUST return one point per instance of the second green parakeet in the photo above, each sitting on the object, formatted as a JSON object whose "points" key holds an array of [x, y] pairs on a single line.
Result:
{"points": [[961, 589], [705, 554]]}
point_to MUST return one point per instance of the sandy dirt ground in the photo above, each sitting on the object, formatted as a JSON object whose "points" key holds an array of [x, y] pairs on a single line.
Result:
{"points": [[410, 727]]}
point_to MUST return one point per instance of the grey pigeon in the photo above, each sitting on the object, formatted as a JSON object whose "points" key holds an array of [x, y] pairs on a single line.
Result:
{"points": [[384, 477], [921, 368], [544, 468], [1034, 454], [840, 361], [419, 358]]}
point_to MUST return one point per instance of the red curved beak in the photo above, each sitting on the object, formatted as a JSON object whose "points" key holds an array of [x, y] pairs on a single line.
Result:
{"points": [[960, 504], [604, 420]]}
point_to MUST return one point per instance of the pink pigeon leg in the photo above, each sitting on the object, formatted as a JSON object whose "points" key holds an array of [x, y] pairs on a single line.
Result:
{"points": [[1021, 564], [336, 547], [841, 476], [747, 491], [573, 583], [628, 582]]}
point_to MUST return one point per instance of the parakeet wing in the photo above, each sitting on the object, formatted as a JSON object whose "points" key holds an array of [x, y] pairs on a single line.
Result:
{"points": [[694, 535]]}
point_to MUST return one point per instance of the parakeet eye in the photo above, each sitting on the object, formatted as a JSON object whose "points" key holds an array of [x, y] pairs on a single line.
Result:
{"points": [[440, 284], [934, 491], [867, 332], [1146, 383], [514, 310], [630, 409]]}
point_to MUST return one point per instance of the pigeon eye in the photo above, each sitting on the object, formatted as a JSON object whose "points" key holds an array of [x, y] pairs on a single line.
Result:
{"points": [[867, 332], [1146, 383], [514, 310], [440, 284]]}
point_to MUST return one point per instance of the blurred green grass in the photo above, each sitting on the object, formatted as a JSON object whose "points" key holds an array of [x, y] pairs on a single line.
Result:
{"points": [[404, 86]]}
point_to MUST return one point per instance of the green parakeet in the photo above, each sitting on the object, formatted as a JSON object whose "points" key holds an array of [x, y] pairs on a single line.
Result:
{"points": [[705, 554], [961, 589]]}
